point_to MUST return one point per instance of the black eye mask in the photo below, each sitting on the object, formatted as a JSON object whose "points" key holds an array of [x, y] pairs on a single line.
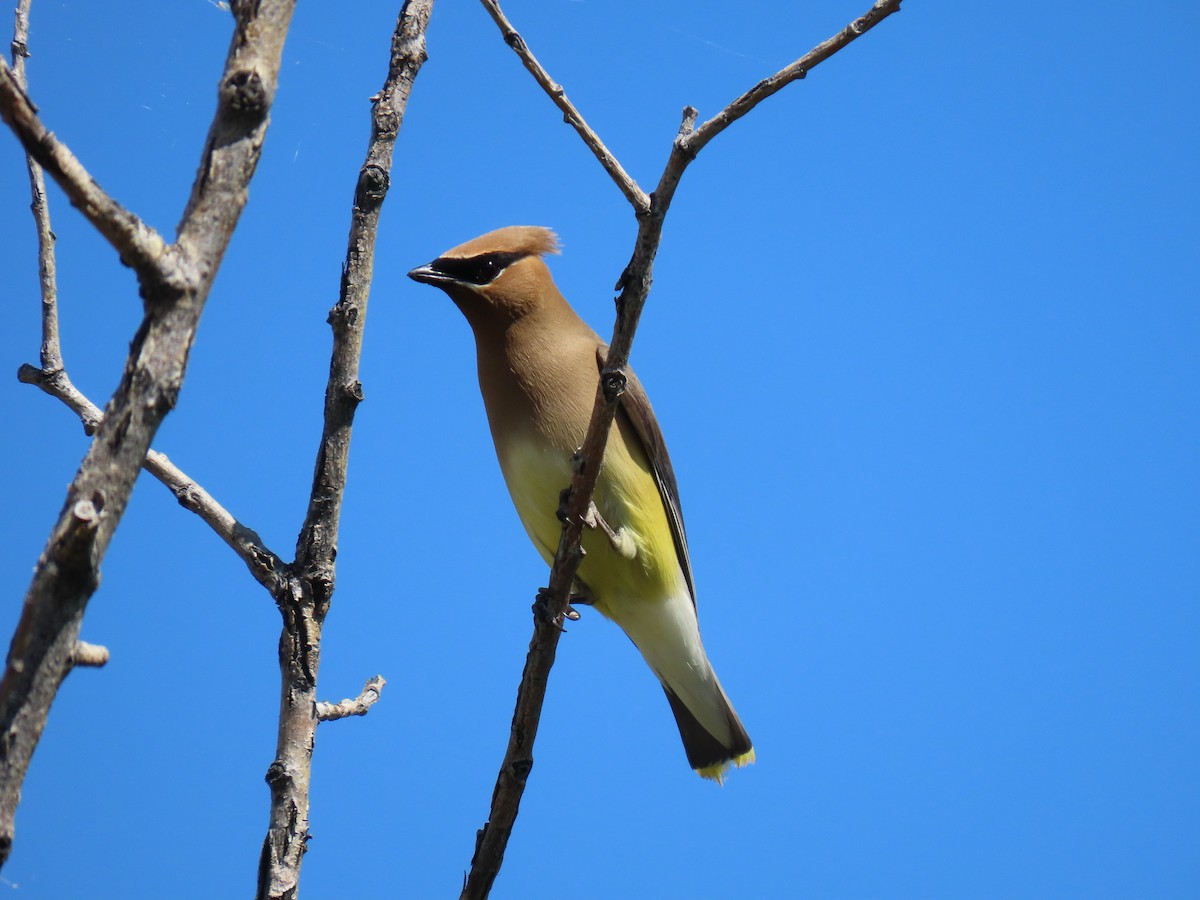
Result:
{"points": [[478, 270]]}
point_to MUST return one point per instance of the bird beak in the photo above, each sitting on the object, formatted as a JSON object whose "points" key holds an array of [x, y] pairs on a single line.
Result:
{"points": [[427, 274]]}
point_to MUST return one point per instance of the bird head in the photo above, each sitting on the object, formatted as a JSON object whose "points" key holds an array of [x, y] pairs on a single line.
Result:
{"points": [[500, 272]]}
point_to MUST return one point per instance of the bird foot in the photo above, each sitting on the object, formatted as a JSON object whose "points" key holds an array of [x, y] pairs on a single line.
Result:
{"points": [[620, 539], [542, 613]]}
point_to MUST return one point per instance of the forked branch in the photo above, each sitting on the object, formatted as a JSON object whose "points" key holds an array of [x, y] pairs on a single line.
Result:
{"points": [[634, 285], [175, 281], [264, 564], [303, 588], [306, 597]]}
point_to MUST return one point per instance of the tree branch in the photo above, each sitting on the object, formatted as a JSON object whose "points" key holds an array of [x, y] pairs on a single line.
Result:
{"points": [[305, 601], [634, 285], [634, 194], [51, 352], [175, 282], [302, 589], [694, 142]]}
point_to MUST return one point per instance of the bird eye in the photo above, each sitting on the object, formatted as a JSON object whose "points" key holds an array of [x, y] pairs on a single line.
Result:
{"points": [[477, 270], [485, 269]]}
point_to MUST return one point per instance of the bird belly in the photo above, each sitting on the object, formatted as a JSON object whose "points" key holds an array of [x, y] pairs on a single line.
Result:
{"points": [[646, 595], [626, 496], [535, 476]]}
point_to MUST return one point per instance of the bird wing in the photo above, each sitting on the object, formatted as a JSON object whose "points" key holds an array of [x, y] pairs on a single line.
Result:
{"points": [[635, 408]]}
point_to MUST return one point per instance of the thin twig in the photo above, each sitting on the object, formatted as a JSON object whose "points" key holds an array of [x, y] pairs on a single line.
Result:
{"points": [[353, 706], [797, 70], [306, 599], [266, 567], [572, 116], [51, 352], [175, 282], [264, 564], [634, 285]]}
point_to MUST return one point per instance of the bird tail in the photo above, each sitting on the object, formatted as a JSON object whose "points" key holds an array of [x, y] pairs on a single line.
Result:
{"points": [[707, 754], [668, 636]]}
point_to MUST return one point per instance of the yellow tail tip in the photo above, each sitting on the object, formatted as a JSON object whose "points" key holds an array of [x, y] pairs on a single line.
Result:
{"points": [[716, 772]]}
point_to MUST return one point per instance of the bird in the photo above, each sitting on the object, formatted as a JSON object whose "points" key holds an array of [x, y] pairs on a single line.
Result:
{"points": [[539, 367]]}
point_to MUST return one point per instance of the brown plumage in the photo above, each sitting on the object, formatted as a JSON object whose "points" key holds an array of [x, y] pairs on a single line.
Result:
{"points": [[539, 366]]}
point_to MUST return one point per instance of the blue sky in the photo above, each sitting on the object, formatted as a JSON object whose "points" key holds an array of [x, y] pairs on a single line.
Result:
{"points": [[923, 340]]}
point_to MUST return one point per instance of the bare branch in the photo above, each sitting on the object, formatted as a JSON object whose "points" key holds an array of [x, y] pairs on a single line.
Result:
{"points": [[58, 384], [305, 603], [693, 142], [634, 285], [20, 39], [139, 245], [353, 706], [51, 349], [634, 194], [91, 655], [51, 352], [175, 282], [266, 567], [264, 564]]}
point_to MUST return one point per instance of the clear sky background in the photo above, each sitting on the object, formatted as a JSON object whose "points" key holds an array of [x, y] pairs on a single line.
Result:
{"points": [[924, 342]]}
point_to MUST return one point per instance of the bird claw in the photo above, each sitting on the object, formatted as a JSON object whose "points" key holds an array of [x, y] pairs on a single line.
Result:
{"points": [[542, 613], [541, 608], [582, 600], [564, 497]]}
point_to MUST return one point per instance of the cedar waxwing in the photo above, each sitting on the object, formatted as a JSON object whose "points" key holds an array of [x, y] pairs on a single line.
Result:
{"points": [[539, 367]]}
